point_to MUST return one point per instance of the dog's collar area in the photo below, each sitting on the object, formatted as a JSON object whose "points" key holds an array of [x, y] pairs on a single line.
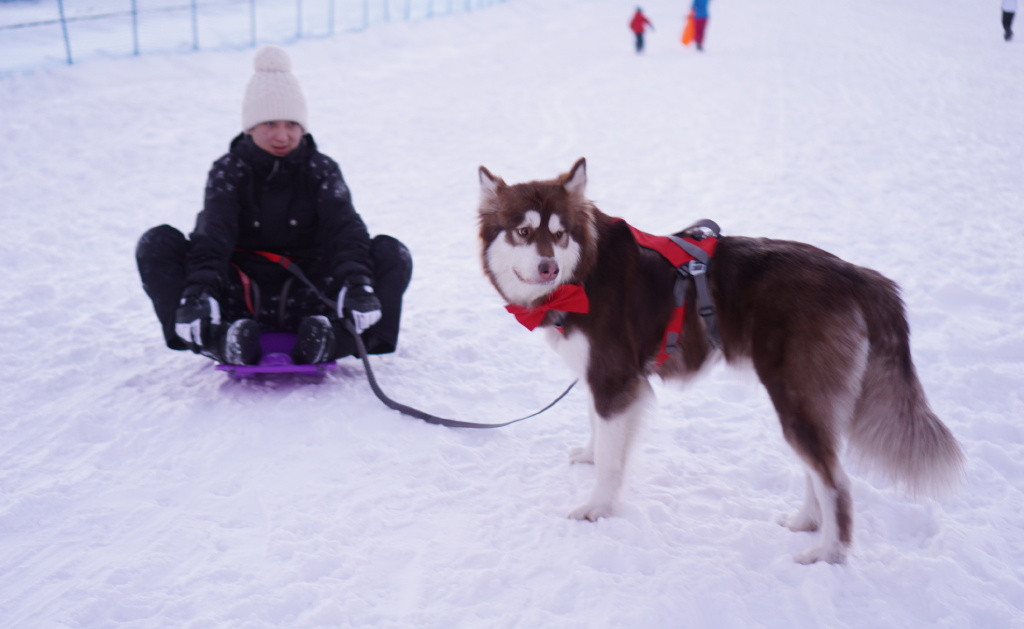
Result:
{"points": [[565, 298]]}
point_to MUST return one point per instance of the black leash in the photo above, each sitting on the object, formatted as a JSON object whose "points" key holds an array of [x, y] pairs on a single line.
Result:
{"points": [[427, 417], [294, 269]]}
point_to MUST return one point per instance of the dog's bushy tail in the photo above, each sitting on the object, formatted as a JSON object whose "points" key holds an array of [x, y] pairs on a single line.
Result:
{"points": [[894, 432]]}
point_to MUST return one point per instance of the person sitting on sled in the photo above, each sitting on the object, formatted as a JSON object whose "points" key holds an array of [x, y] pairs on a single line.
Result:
{"points": [[278, 245]]}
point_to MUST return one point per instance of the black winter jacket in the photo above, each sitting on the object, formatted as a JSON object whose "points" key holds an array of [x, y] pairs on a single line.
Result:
{"points": [[297, 205]]}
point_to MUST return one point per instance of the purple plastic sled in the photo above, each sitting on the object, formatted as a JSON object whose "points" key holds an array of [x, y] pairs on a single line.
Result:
{"points": [[277, 358]]}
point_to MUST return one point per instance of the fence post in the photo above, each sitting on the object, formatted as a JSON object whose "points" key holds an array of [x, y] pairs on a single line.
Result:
{"points": [[135, 28], [195, 26], [252, 21], [64, 29]]}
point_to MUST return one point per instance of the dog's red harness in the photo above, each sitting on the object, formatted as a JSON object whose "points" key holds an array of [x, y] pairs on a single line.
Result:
{"points": [[690, 256]]}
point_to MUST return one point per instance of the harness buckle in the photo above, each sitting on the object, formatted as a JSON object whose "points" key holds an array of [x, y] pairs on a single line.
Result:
{"points": [[692, 269], [705, 307]]}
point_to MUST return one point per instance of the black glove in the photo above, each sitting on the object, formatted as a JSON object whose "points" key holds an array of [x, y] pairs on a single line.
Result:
{"points": [[197, 320], [358, 301]]}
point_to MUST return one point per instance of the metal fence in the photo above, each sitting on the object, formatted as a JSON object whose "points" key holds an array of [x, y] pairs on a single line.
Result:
{"points": [[41, 31]]}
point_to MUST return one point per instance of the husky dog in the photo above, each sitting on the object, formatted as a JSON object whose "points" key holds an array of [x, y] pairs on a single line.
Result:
{"points": [[829, 341]]}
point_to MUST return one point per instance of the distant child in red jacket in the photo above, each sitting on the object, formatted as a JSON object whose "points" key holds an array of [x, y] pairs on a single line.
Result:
{"points": [[637, 25]]}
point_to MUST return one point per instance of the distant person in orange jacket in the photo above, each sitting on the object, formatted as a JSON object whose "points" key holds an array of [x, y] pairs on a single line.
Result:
{"points": [[637, 25]]}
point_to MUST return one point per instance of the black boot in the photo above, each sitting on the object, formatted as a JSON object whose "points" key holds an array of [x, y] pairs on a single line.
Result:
{"points": [[314, 341], [241, 343]]}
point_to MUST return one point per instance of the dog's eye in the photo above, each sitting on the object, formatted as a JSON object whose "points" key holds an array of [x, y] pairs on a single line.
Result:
{"points": [[524, 232], [559, 235]]}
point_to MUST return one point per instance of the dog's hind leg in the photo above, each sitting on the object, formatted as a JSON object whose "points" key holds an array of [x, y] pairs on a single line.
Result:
{"points": [[611, 443], [832, 493], [813, 370], [827, 505]]}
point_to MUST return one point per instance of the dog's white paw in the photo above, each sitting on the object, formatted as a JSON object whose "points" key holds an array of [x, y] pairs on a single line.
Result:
{"points": [[592, 512], [799, 522], [833, 554], [582, 454]]}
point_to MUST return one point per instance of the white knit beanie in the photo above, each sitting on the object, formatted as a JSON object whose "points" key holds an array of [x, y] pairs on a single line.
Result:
{"points": [[273, 92]]}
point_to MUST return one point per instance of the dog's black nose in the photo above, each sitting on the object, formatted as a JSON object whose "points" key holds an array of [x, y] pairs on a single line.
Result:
{"points": [[547, 269]]}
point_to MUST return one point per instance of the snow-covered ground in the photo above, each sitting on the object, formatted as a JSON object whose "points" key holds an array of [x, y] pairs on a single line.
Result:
{"points": [[141, 488]]}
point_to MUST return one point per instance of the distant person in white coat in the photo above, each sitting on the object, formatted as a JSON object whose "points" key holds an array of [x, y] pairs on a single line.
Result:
{"points": [[1009, 9]]}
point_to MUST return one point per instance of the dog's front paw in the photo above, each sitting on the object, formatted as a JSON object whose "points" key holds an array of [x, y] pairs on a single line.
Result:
{"points": [[592, 512], [582, 454], [830, 553], [799, 522]]}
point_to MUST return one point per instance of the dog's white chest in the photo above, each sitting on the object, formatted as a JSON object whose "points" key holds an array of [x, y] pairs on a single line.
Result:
{"points": [[573, 347]]}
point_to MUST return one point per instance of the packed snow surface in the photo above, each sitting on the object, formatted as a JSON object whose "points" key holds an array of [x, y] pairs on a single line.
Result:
{"points": [[141, 488]]}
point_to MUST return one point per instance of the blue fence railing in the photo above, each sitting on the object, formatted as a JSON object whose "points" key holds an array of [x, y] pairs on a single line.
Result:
{"points": [[40, 31]]}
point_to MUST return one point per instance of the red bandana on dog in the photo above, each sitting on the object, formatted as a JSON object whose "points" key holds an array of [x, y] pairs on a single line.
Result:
{"points": [[565, 298]]}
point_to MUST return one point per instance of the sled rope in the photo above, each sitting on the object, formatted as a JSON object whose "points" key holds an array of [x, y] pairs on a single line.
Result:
{"points": [[427, 417]]}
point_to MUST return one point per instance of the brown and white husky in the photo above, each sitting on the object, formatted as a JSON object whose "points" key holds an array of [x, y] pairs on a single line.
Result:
{"points": [[828, 339]]}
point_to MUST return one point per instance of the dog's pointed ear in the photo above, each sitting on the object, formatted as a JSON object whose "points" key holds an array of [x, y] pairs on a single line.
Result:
{"points": [[489, 185], [576, 179]]}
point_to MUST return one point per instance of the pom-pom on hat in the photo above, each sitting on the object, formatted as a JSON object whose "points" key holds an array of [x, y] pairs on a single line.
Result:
{"points": [[273, 92]]}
